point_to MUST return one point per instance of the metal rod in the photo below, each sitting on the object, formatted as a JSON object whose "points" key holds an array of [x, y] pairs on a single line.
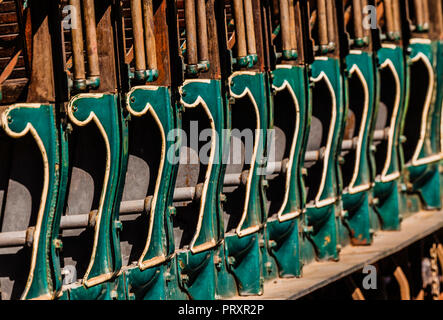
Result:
{"points": [[203, 49], [322, 23], [250, 27], [358, 18], [240, 33], [91, 38], [366, 31], [74, 221], [137, 29], [77, 42], [419, 12], [151, 49], [331, 21], [191, 32], [379, 135], [293, 29], [285, 25], [389, 17], [439, 16], [80, 221], [314, 155], [425, 5], [396, 16], [12, 239]]}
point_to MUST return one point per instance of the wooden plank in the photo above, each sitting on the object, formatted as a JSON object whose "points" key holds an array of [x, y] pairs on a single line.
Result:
{"points": [[353, 259]]}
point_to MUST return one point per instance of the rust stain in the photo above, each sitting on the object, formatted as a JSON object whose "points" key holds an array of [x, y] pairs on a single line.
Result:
{"points": [[327, 240]]}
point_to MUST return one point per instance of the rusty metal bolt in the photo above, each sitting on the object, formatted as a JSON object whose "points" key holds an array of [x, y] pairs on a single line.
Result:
{"points": [[30, 236], [58, 244], [92, 218], [184, 277], [272, 243]]}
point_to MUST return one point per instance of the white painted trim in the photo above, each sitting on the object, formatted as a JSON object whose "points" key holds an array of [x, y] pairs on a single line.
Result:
{"points": [[385, 177], [352, 188], [389, 46], [420, 41]]}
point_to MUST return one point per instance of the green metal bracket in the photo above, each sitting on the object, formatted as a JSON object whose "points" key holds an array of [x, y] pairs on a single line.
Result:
{"points": [[39, 121], [243, 254], [100, 280], [283, 229], [386, 189], [196, 267], [355, 195], [154, 276], [423, 172], [322, 213]]}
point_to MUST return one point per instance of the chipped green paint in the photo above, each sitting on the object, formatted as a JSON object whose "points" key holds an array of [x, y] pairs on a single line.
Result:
{"points": [[283, 229], [439, 102], [154, 276], [196, 267], [321, 214], [242, 247], [100, 280], [355, 196], [423, 171], [39, 121], [386, 190]]}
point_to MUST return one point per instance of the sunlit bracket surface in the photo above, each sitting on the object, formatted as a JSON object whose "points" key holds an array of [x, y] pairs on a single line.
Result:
{"points": [[356, 200], [321, 214], [423, 173], [439, 101], [39, 121], [283, 228], [99, 280], [243, 245], [386, 189], [197, 263], [154, 276]]}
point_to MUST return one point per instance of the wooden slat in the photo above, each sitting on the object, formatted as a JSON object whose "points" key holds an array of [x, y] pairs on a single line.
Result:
{"points": [[352, 259]]}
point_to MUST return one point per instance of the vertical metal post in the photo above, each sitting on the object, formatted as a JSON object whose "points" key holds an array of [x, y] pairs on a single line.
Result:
{"points": [[322, 24], [397, 17], [91, 38], [331, 23], [425, 4], [419, 18], [285, 26], [191, 32], [202, 31], [240, 32], [77, 47], [389, 17], [139, 46], [250, 27], [292, 25], [358, 19], [151, 49]]}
